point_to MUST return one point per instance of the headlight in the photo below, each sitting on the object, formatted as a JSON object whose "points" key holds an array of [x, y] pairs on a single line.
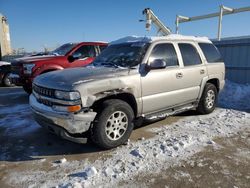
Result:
{"points": [[73, 95], [27, 68]]}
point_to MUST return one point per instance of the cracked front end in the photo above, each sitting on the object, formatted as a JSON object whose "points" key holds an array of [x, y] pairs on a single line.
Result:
{"points": [[61, 112]]}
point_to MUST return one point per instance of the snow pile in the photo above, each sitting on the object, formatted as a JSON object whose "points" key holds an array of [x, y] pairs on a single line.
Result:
{"points": [[133, 38], [235, 96], [172, 144], [148, 39]]}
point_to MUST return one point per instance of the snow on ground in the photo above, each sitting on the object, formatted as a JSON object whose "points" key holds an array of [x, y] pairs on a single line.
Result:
{"points": [[172, 144], [16, 120]]}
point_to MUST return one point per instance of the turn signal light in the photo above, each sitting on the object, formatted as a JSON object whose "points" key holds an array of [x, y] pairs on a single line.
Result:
{"points": [[75, 108]]}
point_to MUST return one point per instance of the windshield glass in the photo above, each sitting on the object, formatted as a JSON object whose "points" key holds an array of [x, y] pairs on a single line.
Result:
{"points": [[122, 55], [64, 49]]}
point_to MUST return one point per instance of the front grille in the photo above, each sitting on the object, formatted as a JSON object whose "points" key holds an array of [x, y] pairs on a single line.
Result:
{"points": [[45, 102], [44, 91]]}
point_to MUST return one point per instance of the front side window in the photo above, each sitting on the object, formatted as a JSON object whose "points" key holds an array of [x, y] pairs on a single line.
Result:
{"points": [[211, 52], [85, 51], [189, 54], [164, 52]]}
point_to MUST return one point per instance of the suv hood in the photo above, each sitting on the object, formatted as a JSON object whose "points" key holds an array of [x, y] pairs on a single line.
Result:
{"points": [[33, 59], [68, 79]]}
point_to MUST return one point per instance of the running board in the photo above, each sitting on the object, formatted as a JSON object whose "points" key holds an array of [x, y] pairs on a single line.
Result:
{"points": [[170, 112]]}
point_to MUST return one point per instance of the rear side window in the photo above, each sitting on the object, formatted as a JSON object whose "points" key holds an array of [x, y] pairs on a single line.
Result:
{"points": [[189, 54], [211, 52], [165, 52]]}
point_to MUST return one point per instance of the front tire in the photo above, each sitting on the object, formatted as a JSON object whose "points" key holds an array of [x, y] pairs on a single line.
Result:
{"points": [[208, 99], [6, 80], [113, 124]]}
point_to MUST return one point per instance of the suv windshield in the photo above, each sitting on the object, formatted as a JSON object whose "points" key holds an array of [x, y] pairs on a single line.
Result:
{"points": [[64, 49], [122, 55]]}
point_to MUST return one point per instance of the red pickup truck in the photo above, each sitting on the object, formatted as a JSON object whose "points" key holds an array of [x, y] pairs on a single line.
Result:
{"points": [[24, 70]]}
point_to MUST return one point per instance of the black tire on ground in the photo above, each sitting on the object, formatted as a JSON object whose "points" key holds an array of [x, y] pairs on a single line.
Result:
{"points": [[113, 124], [6, 80], [27, 89], [208, 99]]}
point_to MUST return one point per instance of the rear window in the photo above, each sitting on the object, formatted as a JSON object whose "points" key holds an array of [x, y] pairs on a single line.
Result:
{"points": [[211, 52]]}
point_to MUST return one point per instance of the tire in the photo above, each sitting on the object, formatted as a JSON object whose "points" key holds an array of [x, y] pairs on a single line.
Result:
{"points": [[27, 89], [113, 124], [208, 99], [6, 80]]}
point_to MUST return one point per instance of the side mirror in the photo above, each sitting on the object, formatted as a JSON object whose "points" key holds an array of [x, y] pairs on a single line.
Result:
{"points": [[74, 57], [157, 64]]}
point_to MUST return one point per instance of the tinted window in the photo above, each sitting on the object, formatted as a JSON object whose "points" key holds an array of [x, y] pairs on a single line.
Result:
{"points": [[85, 51], [189, 55], [211, 52], [165, 52]]}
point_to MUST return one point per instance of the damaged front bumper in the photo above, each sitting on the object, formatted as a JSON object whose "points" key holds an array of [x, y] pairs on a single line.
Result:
{"points": [[66, 125]]}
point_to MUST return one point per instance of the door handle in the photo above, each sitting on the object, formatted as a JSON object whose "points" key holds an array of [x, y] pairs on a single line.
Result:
{"points": [[202, 71], [179, 75]]}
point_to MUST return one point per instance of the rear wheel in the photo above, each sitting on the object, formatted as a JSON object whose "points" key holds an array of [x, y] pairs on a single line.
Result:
{"points": [[208, 99], [113, 124]]}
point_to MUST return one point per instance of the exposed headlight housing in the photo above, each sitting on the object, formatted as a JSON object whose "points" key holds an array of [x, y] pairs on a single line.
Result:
{"points": [[66, 95], [27, 68]]}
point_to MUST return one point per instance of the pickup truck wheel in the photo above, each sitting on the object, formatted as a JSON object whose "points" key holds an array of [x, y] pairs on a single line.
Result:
{"points": [[6, 80], [208, 99], [27, 89], [113, 125]]}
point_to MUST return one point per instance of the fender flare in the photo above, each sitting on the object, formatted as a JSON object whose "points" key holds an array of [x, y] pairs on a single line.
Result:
{"points": [[205, 80], [203, 83], [45, 68]]}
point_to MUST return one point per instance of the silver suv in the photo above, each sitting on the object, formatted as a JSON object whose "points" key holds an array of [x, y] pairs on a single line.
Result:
{"points": [[132, 79]]}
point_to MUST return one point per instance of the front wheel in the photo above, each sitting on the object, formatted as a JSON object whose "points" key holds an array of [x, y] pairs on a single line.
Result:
{"points": [[208, 99], [6, 80], [113, 124]]}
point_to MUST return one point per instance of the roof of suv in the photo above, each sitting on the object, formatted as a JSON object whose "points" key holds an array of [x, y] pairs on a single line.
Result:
{"points": [[172, 37]]}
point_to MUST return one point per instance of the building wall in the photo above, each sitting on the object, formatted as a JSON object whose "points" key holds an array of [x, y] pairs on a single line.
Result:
{"points": [[236, 55], [4, 36]]}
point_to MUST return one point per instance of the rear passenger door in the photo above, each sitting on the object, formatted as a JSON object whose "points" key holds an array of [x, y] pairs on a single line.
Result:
{"points": [[192, 72]]}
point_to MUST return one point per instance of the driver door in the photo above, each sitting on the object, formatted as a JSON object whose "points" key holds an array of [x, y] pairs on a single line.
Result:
{"points": [[161, 87]]}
